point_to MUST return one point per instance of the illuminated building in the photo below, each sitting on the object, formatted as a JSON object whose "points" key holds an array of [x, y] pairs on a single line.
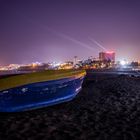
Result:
{"points": [[107, 56]]}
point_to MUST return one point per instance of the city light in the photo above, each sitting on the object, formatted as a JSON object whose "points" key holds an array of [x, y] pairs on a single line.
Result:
{"points": [[123, 62]]}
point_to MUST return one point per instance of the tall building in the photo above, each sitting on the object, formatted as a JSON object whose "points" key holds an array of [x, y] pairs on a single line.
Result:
{"points": [[107, 56], [75, 60]]}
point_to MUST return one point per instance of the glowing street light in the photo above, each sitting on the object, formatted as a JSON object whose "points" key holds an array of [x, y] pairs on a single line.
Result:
{"points": [[123, 62]]}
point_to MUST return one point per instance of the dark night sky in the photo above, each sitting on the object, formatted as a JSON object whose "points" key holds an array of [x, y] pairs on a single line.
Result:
{"points": [[57, 30]]}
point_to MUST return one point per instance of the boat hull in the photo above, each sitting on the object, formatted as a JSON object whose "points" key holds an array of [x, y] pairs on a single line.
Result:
{"points": [[40, 94]]}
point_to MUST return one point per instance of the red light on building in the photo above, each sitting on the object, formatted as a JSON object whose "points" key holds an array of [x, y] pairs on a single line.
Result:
{"points": [[110, 52]]}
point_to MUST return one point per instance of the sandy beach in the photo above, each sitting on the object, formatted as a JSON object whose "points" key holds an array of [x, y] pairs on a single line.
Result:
{"points": [[108, 107]]}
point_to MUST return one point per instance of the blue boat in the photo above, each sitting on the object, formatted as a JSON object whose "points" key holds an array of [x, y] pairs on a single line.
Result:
{"points": [[39, 89]]}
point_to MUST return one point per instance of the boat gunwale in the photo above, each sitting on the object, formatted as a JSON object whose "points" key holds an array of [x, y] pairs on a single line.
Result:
{"points": [[37, 77]]}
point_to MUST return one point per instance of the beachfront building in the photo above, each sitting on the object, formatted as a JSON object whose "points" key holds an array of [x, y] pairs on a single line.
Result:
{"points": [[107, 58]]}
